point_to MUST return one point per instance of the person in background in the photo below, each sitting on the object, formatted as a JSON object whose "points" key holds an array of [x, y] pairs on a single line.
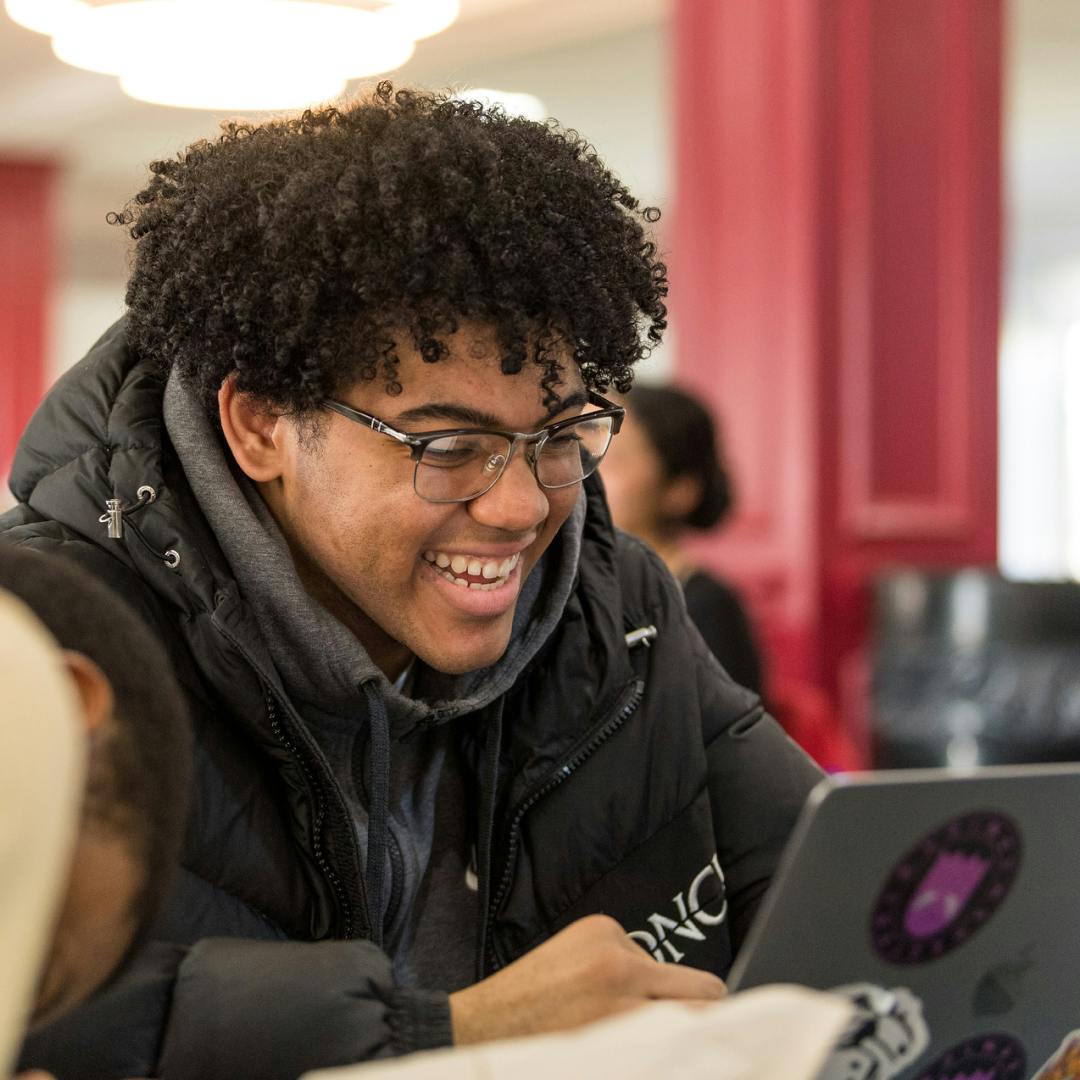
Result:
{"points": [[665, 478], [94, 770]]}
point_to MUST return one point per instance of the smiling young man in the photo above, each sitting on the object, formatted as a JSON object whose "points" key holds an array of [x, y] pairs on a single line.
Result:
{"points": [[464, 769]]}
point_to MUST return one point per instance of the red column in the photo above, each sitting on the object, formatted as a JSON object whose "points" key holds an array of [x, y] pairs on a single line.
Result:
{"points": [[835, 264], [25, 284]]}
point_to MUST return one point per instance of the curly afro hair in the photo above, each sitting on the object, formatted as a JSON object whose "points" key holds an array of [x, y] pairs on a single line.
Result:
{"points": [[296, 252]]}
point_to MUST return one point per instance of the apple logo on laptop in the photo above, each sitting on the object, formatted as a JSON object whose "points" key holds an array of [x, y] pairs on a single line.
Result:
{"points": [[946, 887], [984, 1057], [998, 991]]}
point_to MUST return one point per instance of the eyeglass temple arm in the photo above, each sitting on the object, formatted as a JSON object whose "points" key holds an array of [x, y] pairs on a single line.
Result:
{"points": [[609, 408], [385, 429], [372, 422]]}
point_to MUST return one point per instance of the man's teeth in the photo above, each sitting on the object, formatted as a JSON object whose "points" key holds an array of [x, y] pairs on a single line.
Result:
{"points": [[495, 571]]}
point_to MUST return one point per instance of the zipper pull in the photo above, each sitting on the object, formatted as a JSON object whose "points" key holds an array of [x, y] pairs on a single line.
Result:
{"points": [[645, 635]]}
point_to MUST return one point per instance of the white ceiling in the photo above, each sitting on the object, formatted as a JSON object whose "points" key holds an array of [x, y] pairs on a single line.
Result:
{"points": [[103, 139], [50, 108]]}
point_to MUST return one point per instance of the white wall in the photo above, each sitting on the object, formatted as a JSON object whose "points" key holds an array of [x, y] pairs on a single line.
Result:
{"points": [[614, 90], [81, 312], [1039, 483]]}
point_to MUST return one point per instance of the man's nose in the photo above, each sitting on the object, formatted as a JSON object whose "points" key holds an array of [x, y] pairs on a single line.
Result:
{"points": [[517, 502]]}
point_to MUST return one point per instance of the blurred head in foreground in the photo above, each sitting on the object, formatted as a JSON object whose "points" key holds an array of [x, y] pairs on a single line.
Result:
{"points": [[138, 768]]}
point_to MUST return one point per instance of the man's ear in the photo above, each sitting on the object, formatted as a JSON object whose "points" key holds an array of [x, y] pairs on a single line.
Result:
{"points": [[94, 689], [252, 430]]}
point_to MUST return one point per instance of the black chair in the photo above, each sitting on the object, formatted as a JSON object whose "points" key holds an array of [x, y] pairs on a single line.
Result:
{"points": [[971, 669]]}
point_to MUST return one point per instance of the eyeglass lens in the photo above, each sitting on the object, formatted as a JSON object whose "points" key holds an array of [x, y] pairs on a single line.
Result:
{"points": [[461, 467]]}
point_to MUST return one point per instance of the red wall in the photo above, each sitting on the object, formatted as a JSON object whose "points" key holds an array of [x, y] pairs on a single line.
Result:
{"points": [[25, 283], [835, 292]]}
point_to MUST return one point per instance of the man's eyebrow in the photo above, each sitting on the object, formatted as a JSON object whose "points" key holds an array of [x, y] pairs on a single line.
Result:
{"points": [[454, 413], [571, 401]]}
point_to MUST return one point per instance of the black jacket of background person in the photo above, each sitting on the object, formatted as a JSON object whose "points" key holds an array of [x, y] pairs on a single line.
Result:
{"points": [[630, 779]]}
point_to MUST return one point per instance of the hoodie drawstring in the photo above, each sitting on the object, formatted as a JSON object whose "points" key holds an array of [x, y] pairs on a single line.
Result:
{"points": [[378, 811]]}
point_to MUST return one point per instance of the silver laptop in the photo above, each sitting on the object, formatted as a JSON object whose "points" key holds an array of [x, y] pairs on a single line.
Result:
{"points": [[947, 907]]}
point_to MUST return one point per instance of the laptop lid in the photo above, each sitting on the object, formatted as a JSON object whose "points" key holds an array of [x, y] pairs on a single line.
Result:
{"points": [[948, 905]]}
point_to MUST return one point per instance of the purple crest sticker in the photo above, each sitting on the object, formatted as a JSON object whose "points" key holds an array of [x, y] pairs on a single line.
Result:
{"points": [[945, 888], [986, 1057]]}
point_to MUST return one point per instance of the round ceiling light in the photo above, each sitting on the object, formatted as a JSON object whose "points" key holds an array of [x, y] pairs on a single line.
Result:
{"points": [[235, 54]]}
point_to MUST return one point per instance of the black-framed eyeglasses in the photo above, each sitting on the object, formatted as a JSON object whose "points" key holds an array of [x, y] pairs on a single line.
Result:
{"points": [[459, 464]]}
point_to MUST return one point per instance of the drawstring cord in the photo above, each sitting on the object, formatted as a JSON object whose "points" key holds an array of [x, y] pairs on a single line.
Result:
{"points": [[378, 811], [116, 511]]}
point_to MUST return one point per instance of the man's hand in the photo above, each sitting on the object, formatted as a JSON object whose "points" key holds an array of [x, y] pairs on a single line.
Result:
{"points": [[590, 970]]}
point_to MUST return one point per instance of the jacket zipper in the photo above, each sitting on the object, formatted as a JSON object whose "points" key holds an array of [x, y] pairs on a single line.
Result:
{"points": [[331, 875], [319, 789], [558, 776], [397, 878], [488, 789]]}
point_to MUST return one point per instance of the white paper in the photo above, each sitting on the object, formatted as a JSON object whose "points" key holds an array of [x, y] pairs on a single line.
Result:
{"points": [[776, 1031]]}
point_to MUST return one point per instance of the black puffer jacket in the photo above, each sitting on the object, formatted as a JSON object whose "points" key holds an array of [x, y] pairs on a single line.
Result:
{"points": [[628, 778]]}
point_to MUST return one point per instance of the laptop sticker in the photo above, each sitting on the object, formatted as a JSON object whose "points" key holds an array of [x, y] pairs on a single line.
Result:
{"points": [[985, 1057], [945, 888], [1065, 1063], [886, 1034]]}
